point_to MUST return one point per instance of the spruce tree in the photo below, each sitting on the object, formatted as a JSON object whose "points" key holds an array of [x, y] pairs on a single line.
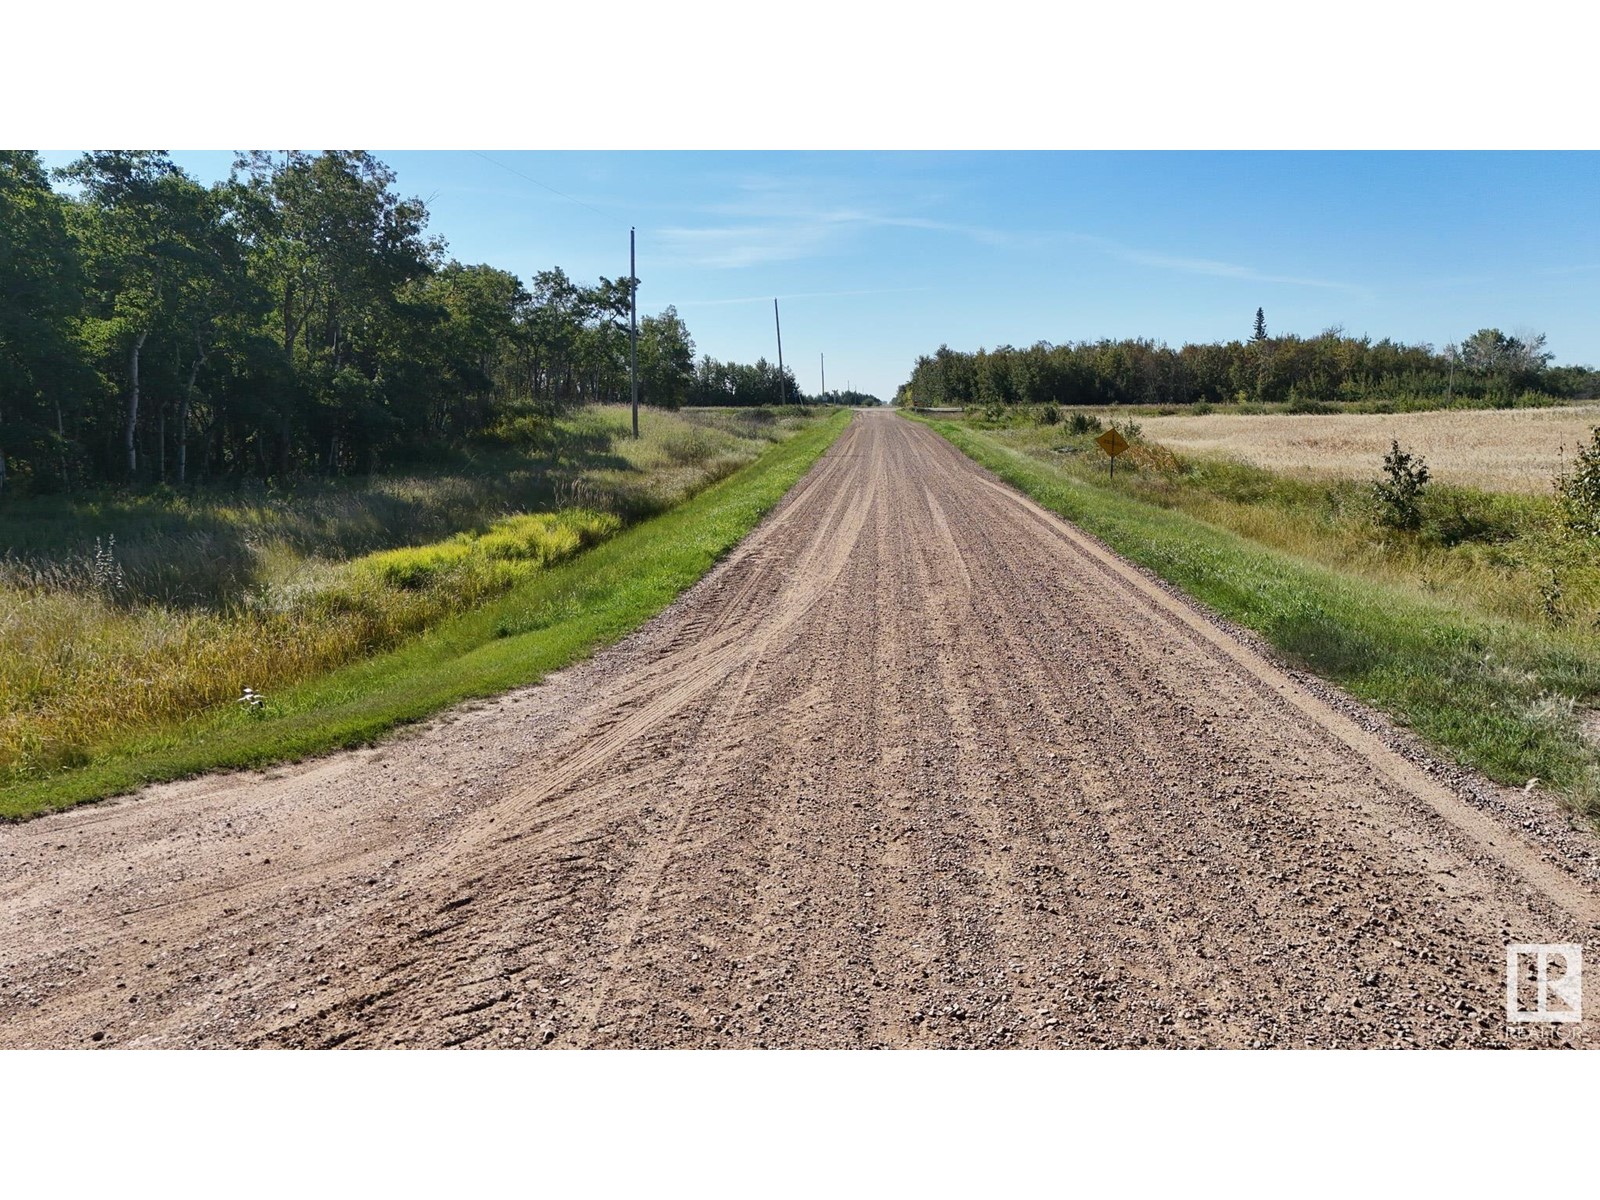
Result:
{"points": [[1261, 327]]}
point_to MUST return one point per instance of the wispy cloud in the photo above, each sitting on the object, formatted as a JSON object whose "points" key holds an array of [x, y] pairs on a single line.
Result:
{"points": [[800, 296], [770, 219], [1207, 266], [731, 246], [778, 220]]}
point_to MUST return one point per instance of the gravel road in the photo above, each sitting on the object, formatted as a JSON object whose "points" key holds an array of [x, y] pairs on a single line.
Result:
{"points": [[918, 765]]}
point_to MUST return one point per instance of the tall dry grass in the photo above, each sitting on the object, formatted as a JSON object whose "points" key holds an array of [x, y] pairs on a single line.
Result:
{"points": [[121, 614]]}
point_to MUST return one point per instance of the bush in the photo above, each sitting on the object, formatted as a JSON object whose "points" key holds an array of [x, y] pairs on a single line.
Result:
{"points": [[1578, 490], [1049, 414], [1128, 428], [1459, 519], [1081, 423], [1399, 493]]}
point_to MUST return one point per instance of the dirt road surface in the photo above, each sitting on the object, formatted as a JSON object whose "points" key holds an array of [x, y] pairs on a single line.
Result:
{"points": [[918, 765]]}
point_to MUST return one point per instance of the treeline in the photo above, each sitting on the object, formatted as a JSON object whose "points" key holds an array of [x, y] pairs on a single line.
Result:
{"points": [[747, 385], [1487, 367], [297, 317]]}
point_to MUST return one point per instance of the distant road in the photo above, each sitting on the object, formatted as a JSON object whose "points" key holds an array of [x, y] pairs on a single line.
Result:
{"points": [[918, 765]]}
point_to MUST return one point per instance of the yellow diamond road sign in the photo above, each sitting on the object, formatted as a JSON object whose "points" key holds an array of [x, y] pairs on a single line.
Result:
{"points": [[1112, 442]]}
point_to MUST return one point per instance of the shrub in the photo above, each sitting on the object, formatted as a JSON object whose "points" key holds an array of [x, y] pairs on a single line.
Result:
{"points": [[1083, 423], [1462, 518], [1578, 490], [1129, 429], [1399, 493], [1049, 414]]}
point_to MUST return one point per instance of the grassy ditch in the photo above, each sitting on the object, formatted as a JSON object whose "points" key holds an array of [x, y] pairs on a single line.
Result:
{"points": [[543, 600], [1478, 631]]}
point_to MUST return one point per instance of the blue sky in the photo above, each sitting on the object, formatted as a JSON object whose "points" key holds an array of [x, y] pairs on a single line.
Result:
{"points": [[879, 257]]}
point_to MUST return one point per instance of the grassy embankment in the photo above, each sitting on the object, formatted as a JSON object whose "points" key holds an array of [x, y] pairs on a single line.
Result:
{"points": [[1479, 631], [345, 649]]}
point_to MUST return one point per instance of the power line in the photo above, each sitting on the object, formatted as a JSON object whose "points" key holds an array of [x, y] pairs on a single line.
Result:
{"points": [[545, 186]]}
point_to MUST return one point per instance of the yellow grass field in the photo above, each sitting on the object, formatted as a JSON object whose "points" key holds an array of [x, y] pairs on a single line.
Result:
{"points": [[1500, 450]]}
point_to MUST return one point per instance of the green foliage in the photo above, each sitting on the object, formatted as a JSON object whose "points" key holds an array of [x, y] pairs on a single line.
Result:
{"points": [[666, 360], [545, 538], [413, 568], [1578, 490], [719, 384], [43, 380], [1082, 423], [295, 320], [1399, 492], [1304, 373]]}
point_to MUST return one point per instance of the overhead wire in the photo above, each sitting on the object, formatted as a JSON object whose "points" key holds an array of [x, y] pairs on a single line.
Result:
{"points": [[545, 186]]}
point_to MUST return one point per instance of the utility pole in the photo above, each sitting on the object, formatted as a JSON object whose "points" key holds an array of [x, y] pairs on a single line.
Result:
{"points": [[633, 331], [823, 360], [783, 392]]}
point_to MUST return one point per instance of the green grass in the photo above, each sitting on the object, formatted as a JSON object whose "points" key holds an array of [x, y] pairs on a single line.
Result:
{"points": [[1465, 666], [546, 620], [206, 547]]}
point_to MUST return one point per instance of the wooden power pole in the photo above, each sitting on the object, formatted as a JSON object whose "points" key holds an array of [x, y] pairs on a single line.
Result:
{"points": [[822, 360], [783, 392]]}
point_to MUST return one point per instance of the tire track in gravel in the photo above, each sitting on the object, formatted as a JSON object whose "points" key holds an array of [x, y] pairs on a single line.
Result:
{"points": [[919, 764]]}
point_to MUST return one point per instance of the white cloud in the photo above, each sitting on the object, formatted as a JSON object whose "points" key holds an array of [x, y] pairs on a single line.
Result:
{"points": [[742, 245], [783, 219], [1207, 266], [800, 296]]}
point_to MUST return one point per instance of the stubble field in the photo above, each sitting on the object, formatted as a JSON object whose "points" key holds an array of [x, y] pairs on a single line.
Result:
{"points": [[1497, 450]]}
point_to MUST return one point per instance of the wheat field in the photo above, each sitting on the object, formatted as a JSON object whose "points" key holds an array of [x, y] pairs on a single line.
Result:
{"points": [[1500, 450]]}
